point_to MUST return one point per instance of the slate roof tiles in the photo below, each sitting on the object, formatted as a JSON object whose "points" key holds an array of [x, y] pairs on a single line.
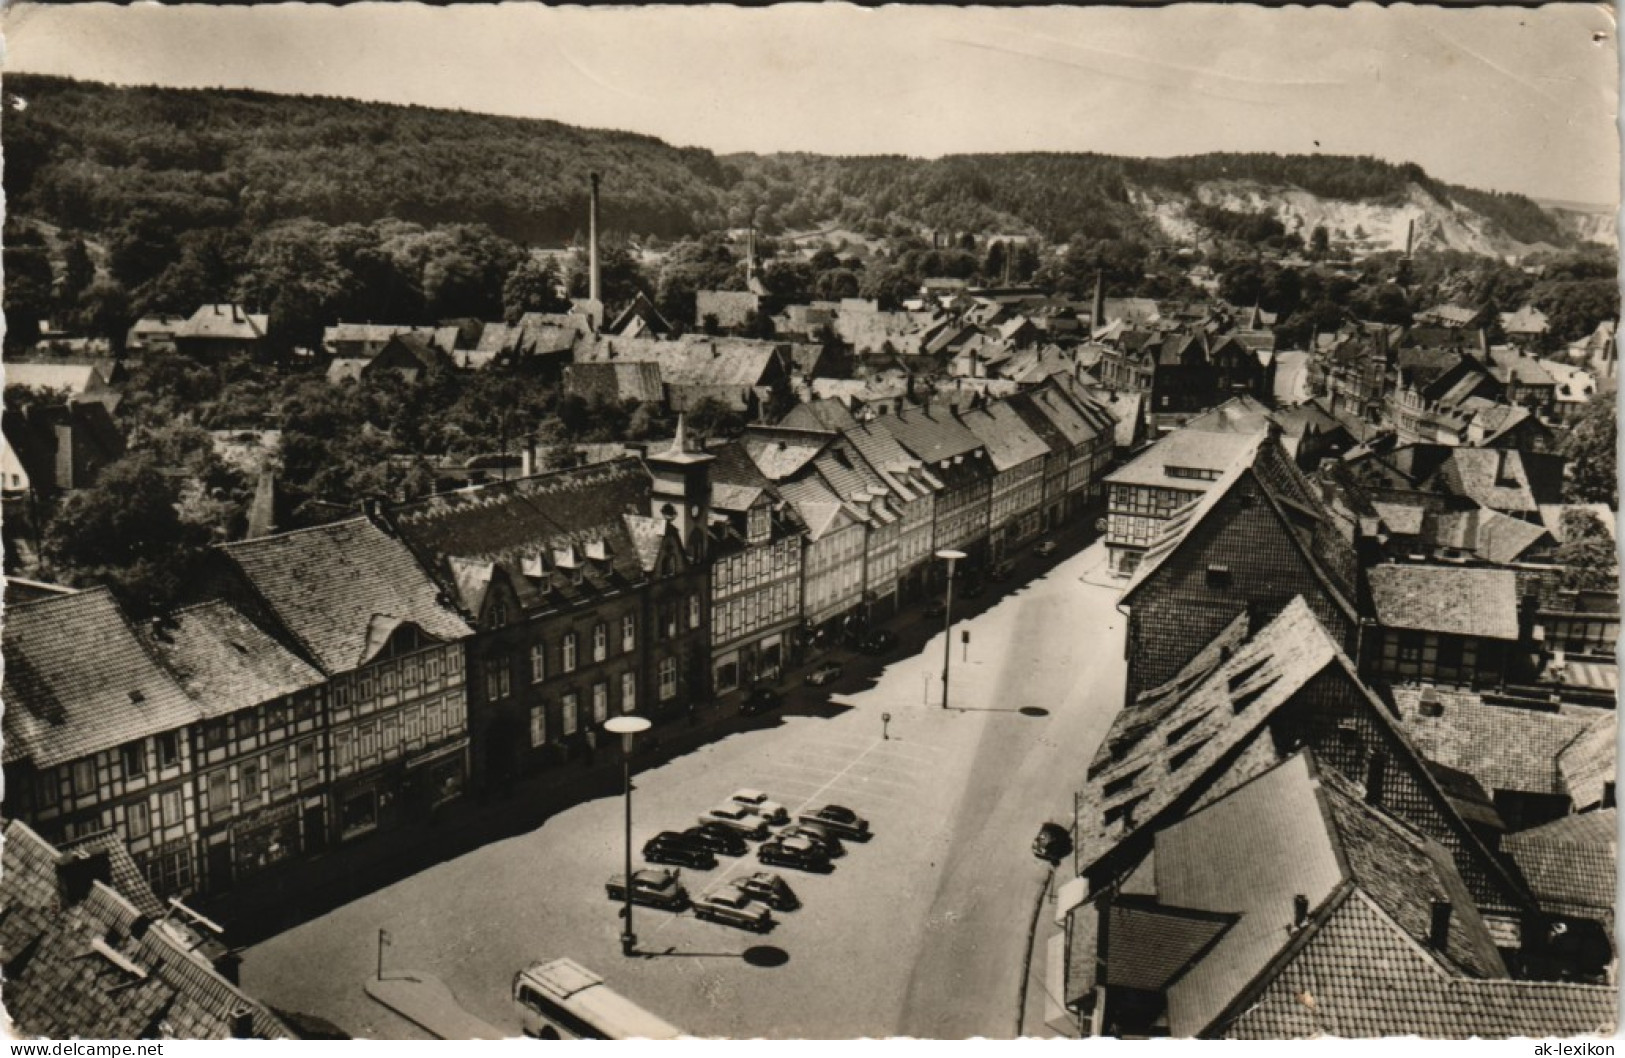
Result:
{"points": [[329, 585], [1455, 600], [79, 681]]}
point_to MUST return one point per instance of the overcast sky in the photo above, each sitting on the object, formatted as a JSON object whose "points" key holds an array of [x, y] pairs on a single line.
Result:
{"points": [[1519, 100]]}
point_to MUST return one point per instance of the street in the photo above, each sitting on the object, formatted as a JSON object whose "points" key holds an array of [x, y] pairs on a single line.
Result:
{"points": [[922, 931]]}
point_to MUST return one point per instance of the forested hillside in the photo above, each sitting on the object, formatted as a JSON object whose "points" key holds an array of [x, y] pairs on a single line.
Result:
{"points": [[88, 157], [130, 201]]}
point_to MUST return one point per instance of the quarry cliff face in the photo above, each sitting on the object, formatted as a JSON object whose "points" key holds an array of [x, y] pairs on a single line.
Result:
{"points": [[1359, 226]]}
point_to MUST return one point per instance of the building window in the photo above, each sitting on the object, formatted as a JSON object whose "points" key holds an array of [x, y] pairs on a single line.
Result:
{"points": [[668, 679], [412, 725], [389, 734], [169, 808], [134, 758], [305, 764], [248, 723], [600, 641], [84, 777], [629, 692], [216, 733], [569, 652], [629, 633], [219, 792], [278, 774], [137, 821], [248, 775], [538, 662], [343, 751], [538, 725], [693, 611], [46, 791], [497, 686], [600, 702], [567, 707], [369, 741]]}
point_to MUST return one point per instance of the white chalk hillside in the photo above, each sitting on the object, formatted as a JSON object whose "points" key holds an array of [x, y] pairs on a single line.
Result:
{"points": [[1370, 226]]}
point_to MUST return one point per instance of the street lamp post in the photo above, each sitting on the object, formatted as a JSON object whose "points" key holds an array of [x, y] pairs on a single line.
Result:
{"points": [[626, 727], [950, 557]]}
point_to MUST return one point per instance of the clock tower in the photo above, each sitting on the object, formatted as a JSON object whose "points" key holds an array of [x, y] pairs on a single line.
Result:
{"points": [[682, 489]]}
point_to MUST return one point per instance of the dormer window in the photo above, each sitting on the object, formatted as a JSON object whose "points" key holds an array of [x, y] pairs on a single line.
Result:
{"points": [[757, 526]]}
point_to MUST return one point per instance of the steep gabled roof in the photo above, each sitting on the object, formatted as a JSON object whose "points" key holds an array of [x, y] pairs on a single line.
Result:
{"points": [[78, 681], [225, 661], [1010, 441], [932, 436], [99, 968], [1571, 862], [1263, 465], [1589, 763], [328, 585]]}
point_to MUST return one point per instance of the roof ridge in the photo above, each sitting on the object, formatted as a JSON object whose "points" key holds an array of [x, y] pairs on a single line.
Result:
{"points": [[306, 531]]}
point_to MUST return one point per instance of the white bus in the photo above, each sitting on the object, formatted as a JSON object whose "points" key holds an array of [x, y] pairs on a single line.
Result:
{"points": [[563, 1000]]}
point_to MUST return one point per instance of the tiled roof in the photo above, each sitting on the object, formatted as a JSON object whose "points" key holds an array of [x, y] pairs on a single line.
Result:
{"points": [[1505, 479], [1243, 414], [100, 969], [1405, 873], [225, 661], [79, 681], [524, 524], [648, 534], [1303, 519], [1502, 539], [223, 321], [1167, 740], [1148, 946], [73, 378], [1570, 863], [1293, 832], [907, 476], [732, 308], [1591, 761], [820, 509], [781, 453], [638, 380], [1360, 976], [931, 436], [329, 586], [696, 360], [1010, 441], [820, 414], [1457, 600], [1504, 747], [1248, 855], [1190, 450], [126, 876]]}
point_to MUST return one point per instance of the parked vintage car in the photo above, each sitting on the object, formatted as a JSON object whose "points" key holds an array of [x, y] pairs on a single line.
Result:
{"points": [[669, 846], [652, 887], [813, 832], [768, 888], [732, 906], [762, 805], [717, 838], [801, 853], [822, 674], [761, 700], [739, 817], [838, 819]]}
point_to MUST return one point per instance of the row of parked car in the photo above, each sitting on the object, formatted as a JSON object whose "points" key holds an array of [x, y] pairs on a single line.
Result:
{"points": [[809, 843]]}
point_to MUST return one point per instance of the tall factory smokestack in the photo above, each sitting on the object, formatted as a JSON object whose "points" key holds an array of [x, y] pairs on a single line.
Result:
{"points": [[1410, 236], [593, 291], [750, 253], [1098, 309]]}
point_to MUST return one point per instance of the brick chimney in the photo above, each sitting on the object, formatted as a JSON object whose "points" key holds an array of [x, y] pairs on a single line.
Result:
{"points": [[593, 290]]}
